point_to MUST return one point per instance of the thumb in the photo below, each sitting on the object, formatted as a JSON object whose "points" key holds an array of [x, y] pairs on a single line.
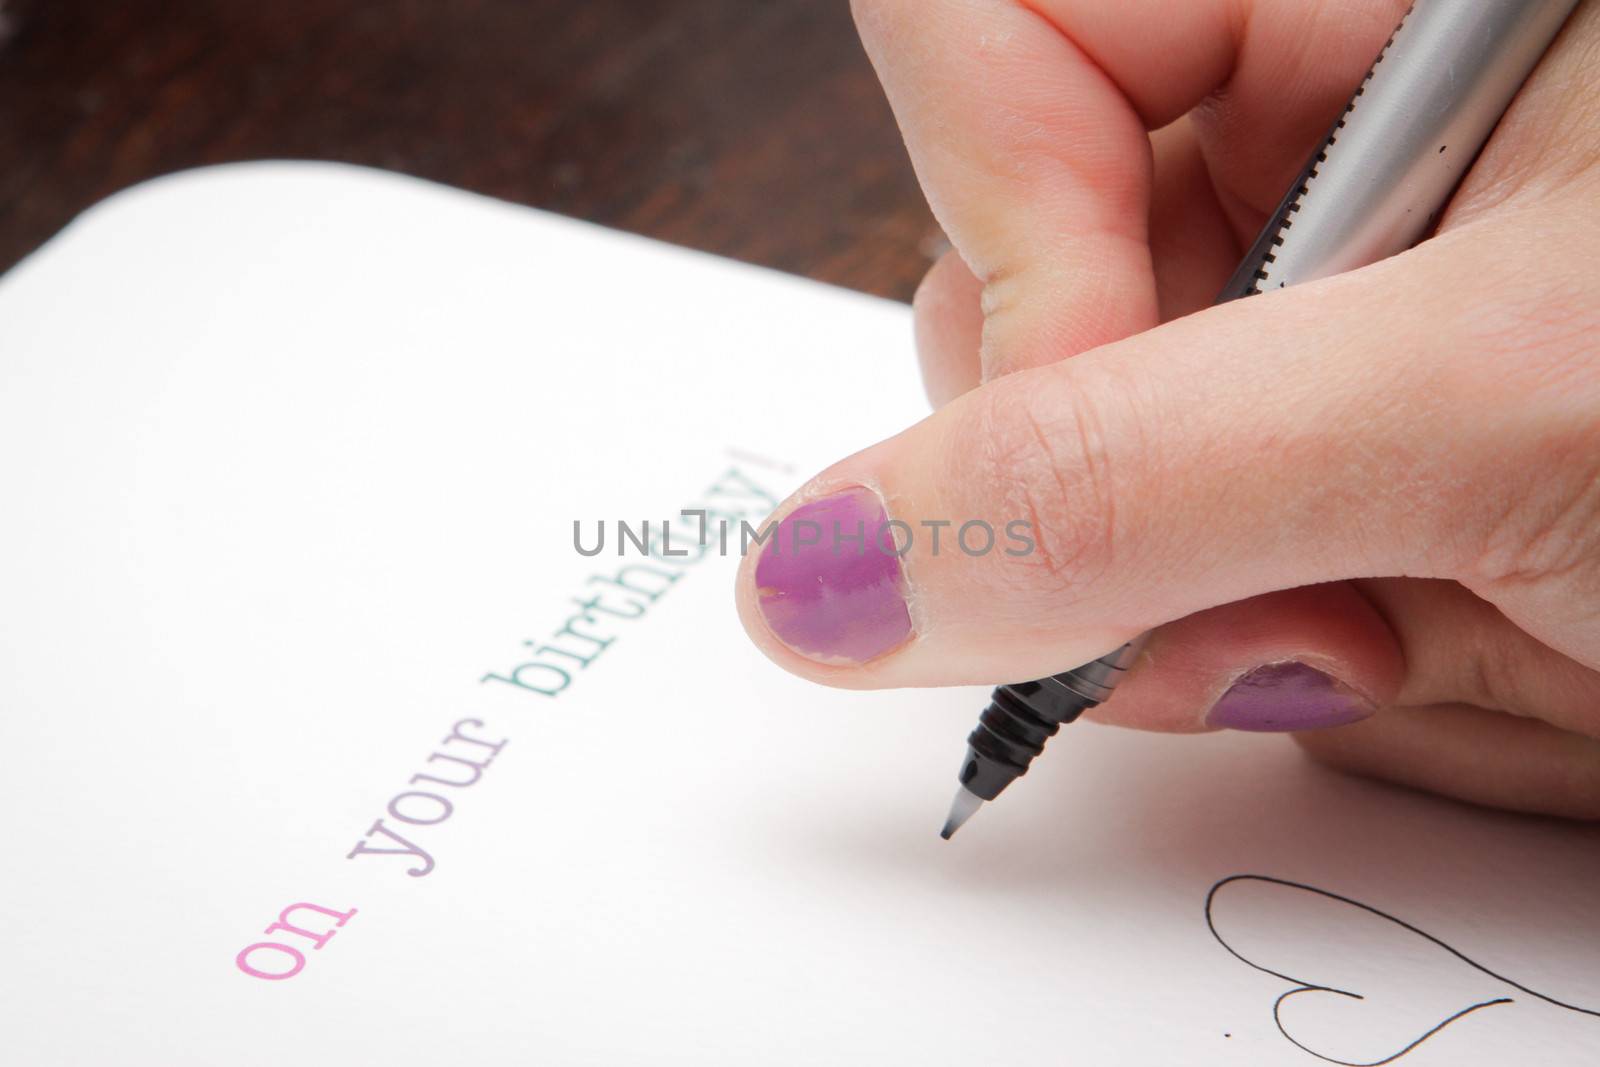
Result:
{"points": [[1309, 435]]}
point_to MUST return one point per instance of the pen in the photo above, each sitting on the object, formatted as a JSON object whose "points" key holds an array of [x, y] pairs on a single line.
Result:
{"points": [[1373, 187]]}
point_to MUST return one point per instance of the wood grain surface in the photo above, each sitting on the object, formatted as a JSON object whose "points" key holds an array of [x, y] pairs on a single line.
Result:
{"points": [[750, 128]]}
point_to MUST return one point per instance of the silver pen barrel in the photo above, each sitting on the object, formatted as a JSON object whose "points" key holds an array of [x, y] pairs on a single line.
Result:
{"points": [[1379, 180]]}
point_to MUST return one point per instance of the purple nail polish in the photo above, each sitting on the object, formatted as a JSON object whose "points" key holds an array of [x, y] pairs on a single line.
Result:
{"points": [[829, 584], [1287, 696]]}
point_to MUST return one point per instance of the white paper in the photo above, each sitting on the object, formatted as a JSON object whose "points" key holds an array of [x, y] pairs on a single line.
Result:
{"points": [[289, 460]]}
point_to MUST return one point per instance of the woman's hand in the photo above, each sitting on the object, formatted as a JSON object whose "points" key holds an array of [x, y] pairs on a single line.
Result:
{"points": [[1370, 502]]}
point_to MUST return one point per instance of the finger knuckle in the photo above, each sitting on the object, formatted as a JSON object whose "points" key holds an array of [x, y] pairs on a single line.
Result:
{"points": [[1050, 460], [1519, 392], [1531, 380], [1552, 528], [1547, 526]]}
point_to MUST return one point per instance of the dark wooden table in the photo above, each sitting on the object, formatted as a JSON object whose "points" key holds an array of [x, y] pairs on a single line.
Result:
{"points": [[750, 128]]}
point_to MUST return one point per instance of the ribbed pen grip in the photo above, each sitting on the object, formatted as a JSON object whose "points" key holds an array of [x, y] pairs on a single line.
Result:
{"points": [[1020, 718]]}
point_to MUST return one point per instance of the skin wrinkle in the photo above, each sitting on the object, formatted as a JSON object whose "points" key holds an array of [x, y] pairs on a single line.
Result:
{"points": [[1558, 545], [1056, 563], [1484, 667], [1548, 533], [1014, 292], [998, 452], [1024, 463], [1152, 119]]}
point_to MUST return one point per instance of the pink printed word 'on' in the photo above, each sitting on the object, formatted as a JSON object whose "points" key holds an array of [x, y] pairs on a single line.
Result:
{"points": [[273, 960]]}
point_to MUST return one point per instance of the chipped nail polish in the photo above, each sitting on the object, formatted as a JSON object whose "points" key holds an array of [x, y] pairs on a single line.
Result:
{"points": [[1287, 696], [829, 585]]}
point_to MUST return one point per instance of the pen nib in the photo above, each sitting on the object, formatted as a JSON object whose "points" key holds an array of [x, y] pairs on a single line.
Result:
{"points": [[965, 806]]}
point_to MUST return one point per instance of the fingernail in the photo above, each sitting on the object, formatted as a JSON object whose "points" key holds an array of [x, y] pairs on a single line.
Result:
{"points": [[829, 584], [1288, 696]]}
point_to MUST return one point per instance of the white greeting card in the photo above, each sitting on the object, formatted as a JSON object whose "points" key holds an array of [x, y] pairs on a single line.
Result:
{"points": [[323, 745]]}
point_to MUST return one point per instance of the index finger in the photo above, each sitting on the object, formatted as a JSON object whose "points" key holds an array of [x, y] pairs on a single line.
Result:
{"points": [[1027, 124]]}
